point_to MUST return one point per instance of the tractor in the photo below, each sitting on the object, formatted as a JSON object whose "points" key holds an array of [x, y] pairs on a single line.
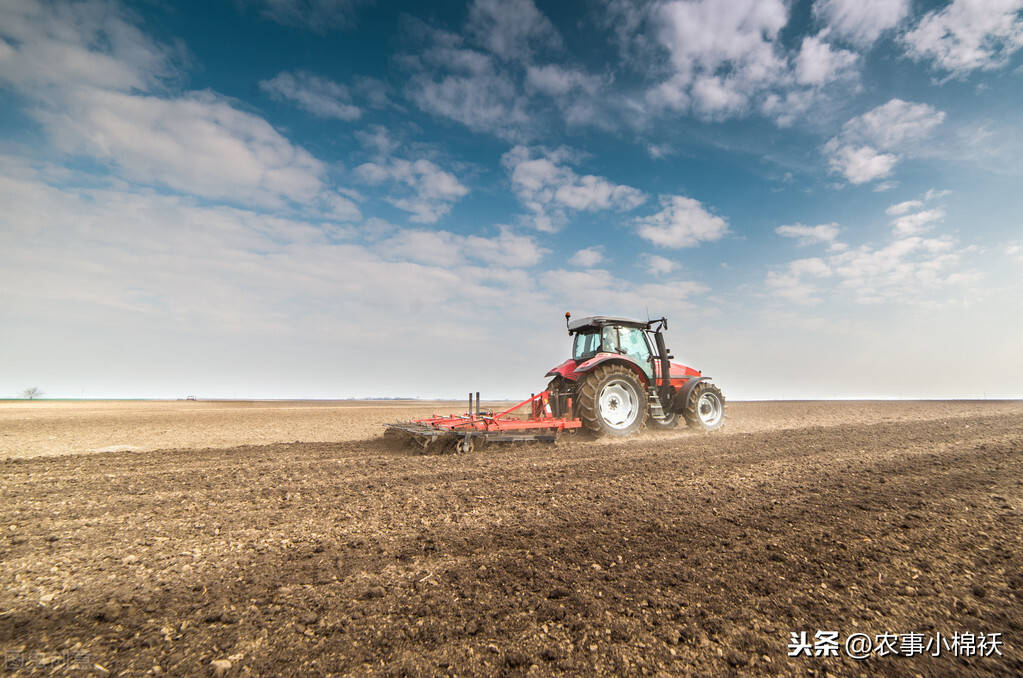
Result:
{"points": [[615, 379], [620, 377]]}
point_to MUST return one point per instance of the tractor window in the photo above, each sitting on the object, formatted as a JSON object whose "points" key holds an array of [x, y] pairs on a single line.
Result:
{"points": [[634, 345], [610, 344], [586, 345]]}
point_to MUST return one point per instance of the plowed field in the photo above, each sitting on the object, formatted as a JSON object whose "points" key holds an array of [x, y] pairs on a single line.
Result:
{"points": [[672, 554]]}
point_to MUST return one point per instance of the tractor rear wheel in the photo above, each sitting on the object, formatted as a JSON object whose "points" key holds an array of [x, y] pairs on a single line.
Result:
{"points": [[611, 401], [706, 408]]}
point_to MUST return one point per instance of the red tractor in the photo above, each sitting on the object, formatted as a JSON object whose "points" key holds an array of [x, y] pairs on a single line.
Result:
{"points": [[619, 378], [615, 378]]}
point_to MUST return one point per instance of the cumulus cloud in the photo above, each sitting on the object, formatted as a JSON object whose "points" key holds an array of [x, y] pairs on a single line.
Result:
{"points": [[550, 188], [968, 35], [557, 81], [792, 284], [510, 29], [861, 21], [870, 145], [317, 16], [705, 39], [466, 85], [903, 207], [683, 222], [443, 248], [45, 49], [429, 193], [658, 265], [809, 235], [477, 81], [198, 143], [912, 224], [906, 268], [1015, 251], [894, 124], [818, 63], [588, 257], [578, 289], [319, 96], [91, 74], [859, 164]]}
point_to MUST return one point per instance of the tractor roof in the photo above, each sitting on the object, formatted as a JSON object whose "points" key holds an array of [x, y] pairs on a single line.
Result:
{"points": [[601, 320]]}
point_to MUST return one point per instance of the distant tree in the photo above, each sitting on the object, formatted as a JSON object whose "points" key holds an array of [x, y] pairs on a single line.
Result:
{"points": [[31, 393]]}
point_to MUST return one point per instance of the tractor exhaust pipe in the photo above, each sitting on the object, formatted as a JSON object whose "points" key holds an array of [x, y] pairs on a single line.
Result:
{"points": [[665, 391]]}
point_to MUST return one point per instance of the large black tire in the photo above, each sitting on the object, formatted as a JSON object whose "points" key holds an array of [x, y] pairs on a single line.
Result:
{"points": [[669, 422], [611, 401], [705, 410]]}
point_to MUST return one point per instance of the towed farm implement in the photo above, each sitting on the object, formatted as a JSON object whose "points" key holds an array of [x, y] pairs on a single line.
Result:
{"points": [[619, 379]]}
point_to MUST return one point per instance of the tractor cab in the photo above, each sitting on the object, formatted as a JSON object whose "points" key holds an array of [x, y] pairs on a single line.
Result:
{"points": [[621, 336]]}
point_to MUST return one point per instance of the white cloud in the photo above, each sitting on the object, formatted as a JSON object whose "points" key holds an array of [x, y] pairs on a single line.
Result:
{"points": [[558, 81], [787, 108], [913, 224], [894, 124], [895, 127], [88, 70], [967, 35], [49, 48], [431, 190], [1015, 251], [658, 265], [818, 63], [508, 249], [706, 39], [580, 289], [907, 269], [466, 86], [861, 21], [658, 151], [339, 208], [814, 266], [683, 222], [901, 270], [859, 164], [378, 139], [903, 207], [442, 248], [198, 143], [809, 235], [588, 257], [319, 96], [549, 188], [510, 29], [318, 16]]}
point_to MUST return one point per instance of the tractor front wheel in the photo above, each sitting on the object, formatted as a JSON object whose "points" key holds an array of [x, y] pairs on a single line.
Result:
{"points": [[611, 401], [706, 408]]}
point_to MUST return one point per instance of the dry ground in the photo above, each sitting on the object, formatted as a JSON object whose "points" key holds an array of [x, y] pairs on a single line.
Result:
{"points": [[678, 554]]}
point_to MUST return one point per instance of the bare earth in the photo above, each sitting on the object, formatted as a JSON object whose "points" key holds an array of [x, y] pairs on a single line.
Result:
{"points": [[672, 554]]}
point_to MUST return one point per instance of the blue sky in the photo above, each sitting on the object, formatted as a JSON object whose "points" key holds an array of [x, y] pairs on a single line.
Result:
{"points": [[337, 198]]}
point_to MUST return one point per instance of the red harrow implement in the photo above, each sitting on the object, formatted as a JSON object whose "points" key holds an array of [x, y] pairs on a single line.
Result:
{"points": [[466, 432]]}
